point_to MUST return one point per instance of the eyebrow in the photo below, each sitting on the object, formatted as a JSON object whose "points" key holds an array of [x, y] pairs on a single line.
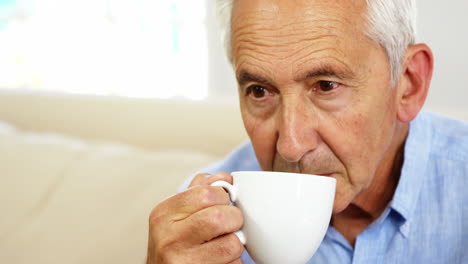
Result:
{"points": [[245, 77], [326, 71], [323, 71]]}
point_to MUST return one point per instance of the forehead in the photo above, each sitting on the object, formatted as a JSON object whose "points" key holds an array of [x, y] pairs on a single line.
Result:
{"points": [[293, 8], [294, 32]]}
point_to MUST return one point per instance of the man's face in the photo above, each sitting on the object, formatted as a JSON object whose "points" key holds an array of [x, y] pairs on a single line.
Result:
{"points": [[314, 91]]}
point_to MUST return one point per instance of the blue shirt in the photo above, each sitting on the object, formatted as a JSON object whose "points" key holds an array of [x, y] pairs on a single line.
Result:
{"points": [[427, 219]]}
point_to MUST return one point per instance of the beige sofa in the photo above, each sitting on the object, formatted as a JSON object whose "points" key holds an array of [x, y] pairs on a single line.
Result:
{"points": [[79, 175]]}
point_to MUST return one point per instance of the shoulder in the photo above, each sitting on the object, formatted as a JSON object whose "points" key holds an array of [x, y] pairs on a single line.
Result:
{"points": [[447, 163], [241, 158], [436, 152], [442, 201], [449, 137]]}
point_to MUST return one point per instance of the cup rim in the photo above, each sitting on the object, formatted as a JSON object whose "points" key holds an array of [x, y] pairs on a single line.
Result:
{"points": [[281, 173]]}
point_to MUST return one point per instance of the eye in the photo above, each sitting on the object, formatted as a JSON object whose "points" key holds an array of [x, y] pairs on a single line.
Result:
{"points": [[258, 92], [326, 86]]}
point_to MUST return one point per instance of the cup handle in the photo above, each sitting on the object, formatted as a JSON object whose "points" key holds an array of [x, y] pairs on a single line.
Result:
{"points": [[232, 191]]}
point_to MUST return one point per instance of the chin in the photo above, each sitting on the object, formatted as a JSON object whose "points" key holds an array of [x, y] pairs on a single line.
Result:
{"points": [[339, 205], [338, 210]]}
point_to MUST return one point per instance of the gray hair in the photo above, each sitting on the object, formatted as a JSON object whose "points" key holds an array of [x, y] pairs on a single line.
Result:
{"points": [[391, 23]]}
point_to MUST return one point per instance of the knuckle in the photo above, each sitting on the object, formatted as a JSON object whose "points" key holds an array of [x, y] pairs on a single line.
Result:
{"points": [[160, 211], [237, 247], [199, 179], [240, 247], [216, 214], [216, 219], [232, 219], [224, 219], [155, 217], [232, 247], [224, 174], [202, 175], [207, 196]]}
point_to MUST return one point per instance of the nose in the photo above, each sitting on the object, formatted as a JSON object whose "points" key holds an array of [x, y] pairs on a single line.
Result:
{"points": [[297, 134]]}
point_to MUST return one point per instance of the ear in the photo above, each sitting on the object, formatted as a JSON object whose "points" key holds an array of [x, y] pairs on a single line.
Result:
{"points": [[414, 81]]}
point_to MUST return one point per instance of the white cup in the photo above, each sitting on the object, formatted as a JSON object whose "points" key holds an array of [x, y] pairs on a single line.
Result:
{"points": [[286, 215]]}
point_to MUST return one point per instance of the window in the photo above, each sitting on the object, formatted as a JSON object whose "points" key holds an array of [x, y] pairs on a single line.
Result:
{"points": [[140, 48]]}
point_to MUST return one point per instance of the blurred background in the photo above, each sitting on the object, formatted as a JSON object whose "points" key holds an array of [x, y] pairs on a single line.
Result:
{"points": [[171, 48], [107, 106]]}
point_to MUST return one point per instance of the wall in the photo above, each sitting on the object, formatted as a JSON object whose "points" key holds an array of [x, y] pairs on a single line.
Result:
{"points": [[444, 26]]}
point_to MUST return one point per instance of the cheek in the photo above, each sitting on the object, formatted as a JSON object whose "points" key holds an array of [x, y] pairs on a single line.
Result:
{"points": [[368, 136], [263, 136], [349, 136], [349, 142], [362, 145]]}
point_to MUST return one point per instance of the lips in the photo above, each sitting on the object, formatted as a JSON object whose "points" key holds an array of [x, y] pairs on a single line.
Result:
{"points": [[326, 174]]}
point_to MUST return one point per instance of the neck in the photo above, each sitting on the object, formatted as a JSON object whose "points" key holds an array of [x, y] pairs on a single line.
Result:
{"points": [[375, 199], [370, 204]]}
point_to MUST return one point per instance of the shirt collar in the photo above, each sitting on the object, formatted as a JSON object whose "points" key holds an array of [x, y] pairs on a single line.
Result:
{"points": [[416, 155]]}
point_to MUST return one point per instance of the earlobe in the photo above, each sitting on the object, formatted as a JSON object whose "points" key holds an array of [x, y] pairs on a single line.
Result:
{"points": [[414, 82]]}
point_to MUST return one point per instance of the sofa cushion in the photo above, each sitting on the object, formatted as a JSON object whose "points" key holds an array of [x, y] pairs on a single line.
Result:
{"points": [[65, 200]]}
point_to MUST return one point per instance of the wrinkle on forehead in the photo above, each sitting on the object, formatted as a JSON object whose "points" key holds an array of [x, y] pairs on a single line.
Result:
{"points": [[290, 52], [293, 49], [281, 40], [307, 17], [272, 30]]}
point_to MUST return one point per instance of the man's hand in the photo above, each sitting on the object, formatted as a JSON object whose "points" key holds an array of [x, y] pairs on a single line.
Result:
{"points": [[196, 226]]}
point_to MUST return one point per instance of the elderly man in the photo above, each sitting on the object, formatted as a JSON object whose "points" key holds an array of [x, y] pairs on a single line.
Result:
{"points": [[333, 88]]}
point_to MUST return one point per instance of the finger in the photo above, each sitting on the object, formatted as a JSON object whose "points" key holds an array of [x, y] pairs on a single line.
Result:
{"points": [[199, 179], [184, 204], [210, 223], [207, 179], [221, 176], [223, 249], [237, 261]]}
